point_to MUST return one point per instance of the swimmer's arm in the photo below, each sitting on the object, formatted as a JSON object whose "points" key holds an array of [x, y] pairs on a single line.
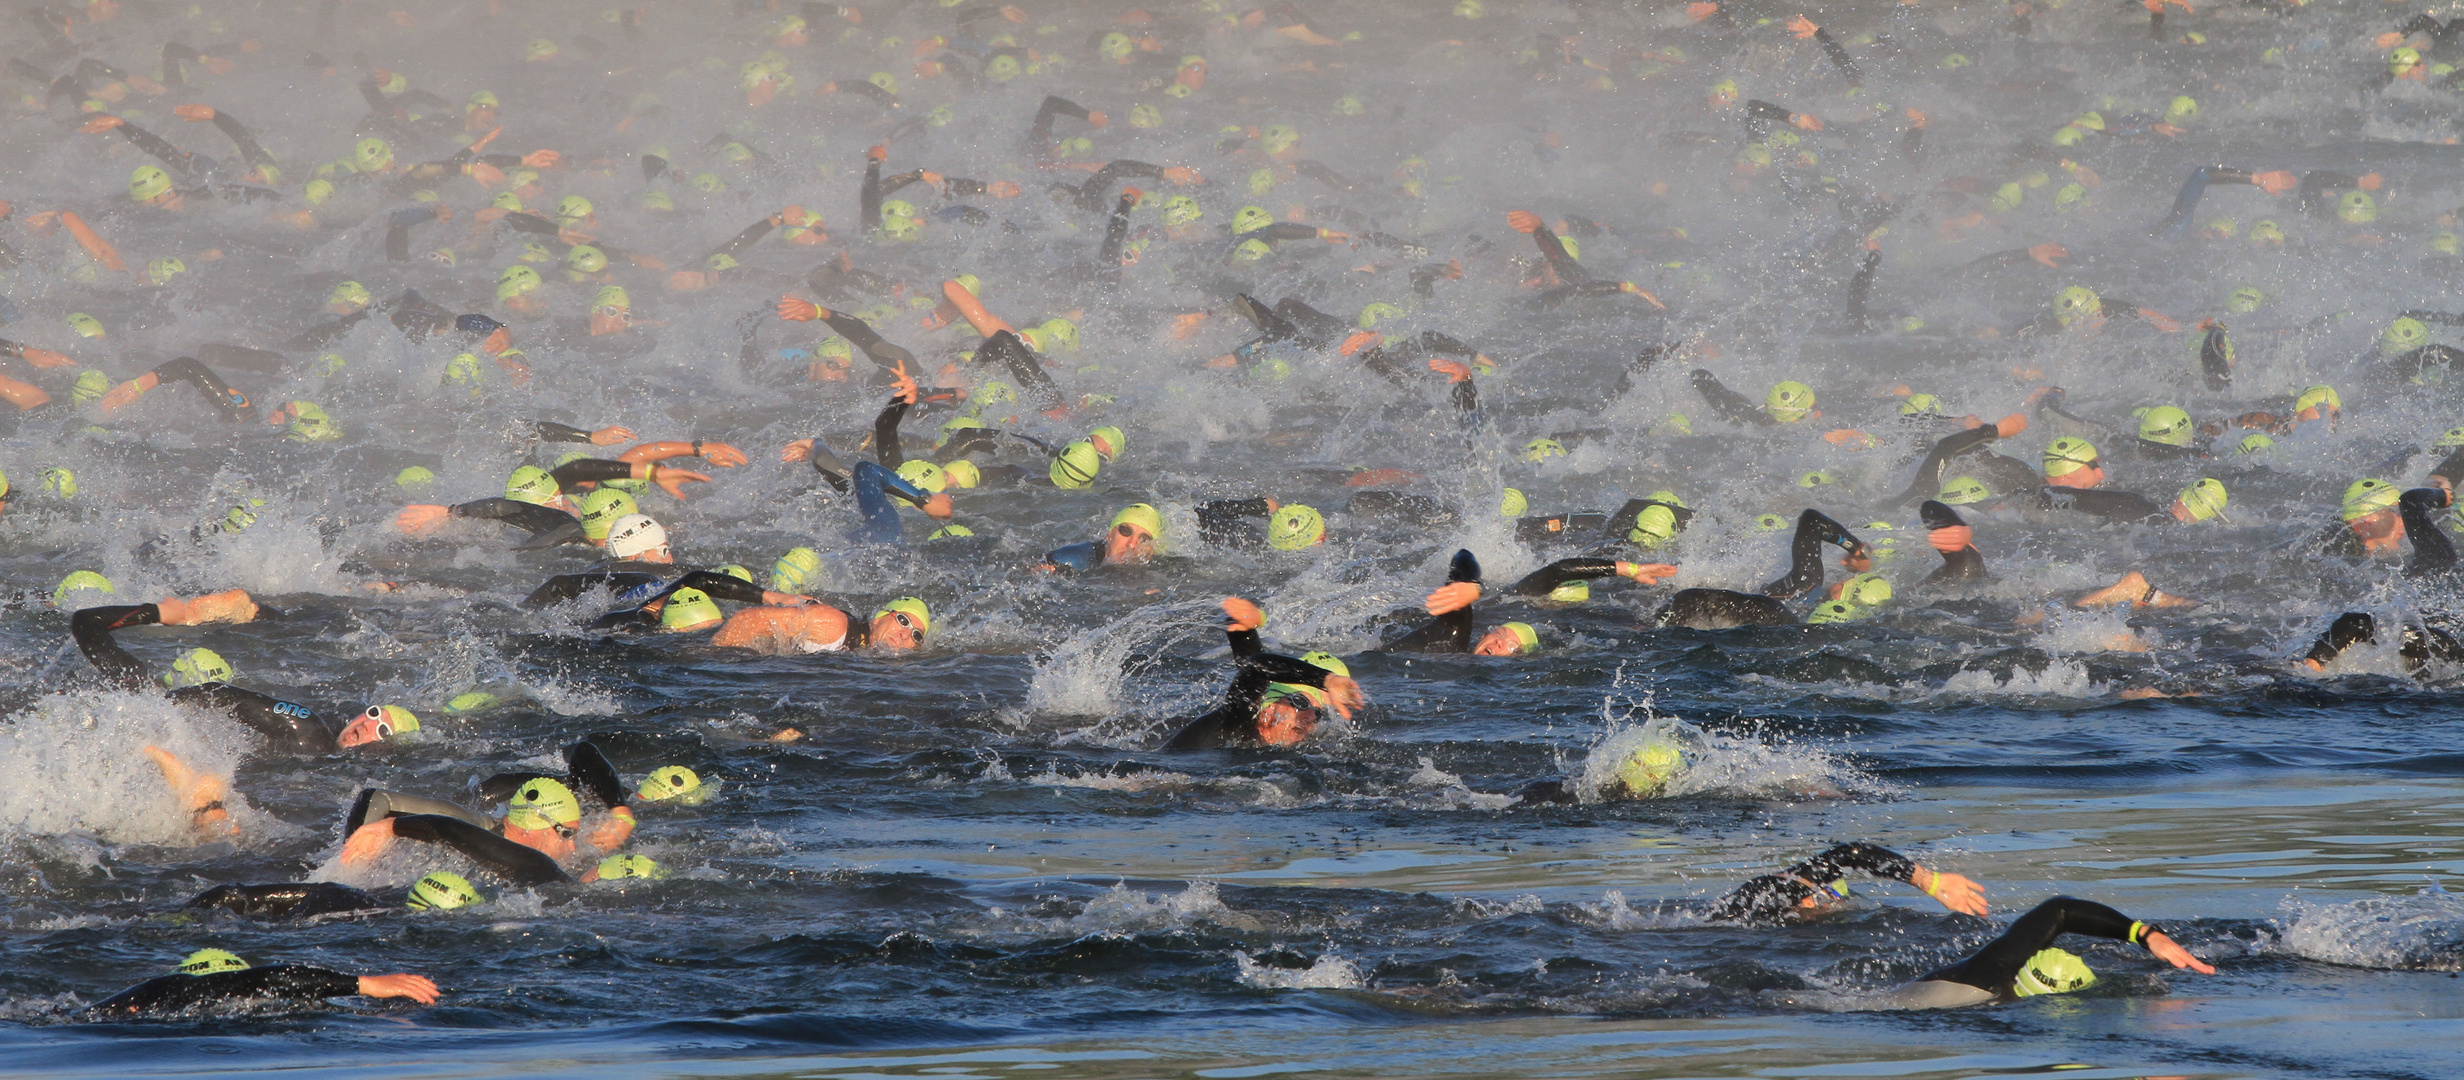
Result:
{"points": [[92, 627], [1731, 405], [514, 862], [528, 517], [1545, 580], [593, 774]]}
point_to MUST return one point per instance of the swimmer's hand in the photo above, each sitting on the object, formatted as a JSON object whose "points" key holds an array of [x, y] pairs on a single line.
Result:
{"points": [[1645, 573], [781, 599], [126, 393], [1455, 371], [799, 450], [421, 518], [1241, 614], [418, 988], [722, 455], [369, 842], [232, 606], [674, 480], [794, 310], [939, 507], [2173, 954], [1345, 694], [1955, 891], [1453, 596], [610, 436], [612, 832]]}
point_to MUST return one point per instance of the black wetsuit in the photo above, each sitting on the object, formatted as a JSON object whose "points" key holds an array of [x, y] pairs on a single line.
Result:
{"points": [[1732, 406], [1774, 896], [294, 727], [176, 993], [433, 821], [1965, 564], [633, 582], [2433, 552], [1995, 968], [2115, 507], [1589, 527], [1452, 631], [1722, 609], [2001, 474], [1235, 723], [2422, 643], [588, 773], [715, 585], [289, 900]]}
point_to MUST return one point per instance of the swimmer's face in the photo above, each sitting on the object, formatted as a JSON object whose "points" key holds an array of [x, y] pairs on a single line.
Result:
{"points": [[1284, 723], [659, 554], [367, 727], [555, 843], [1499, 641], [1127, 543], [892, 630]]}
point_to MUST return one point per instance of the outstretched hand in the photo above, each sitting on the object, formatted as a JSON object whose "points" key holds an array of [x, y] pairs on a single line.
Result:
{"points": [[1242, 614], [674, 481], [1453, 596], [418, 988], [722, 455], [611, 435], [421, 518], [799, 450], [1955, 892], [2174, 954]]}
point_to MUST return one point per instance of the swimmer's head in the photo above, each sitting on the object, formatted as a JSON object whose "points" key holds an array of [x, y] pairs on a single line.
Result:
{"points": [[1109, 442], [79, 581], [443, 890], [901, 623], [211, 962], [1075, 467], [2168, 425], [795, 569], [1135, 535], [1789, 402], [1647, 771], [673, 783], [2052, 971], [1295, 527], [1508, 639], [541, 804], [1514, 504], [688, 610], [1963, 490], [637, 537], [378, 723], [1290, 714], [2071, 459], [2203, 500], [2317, 401], [1329, 661], [2363, 498], [620, 867], [532, 484], [924, 474], [197, 667], [601, 508]]}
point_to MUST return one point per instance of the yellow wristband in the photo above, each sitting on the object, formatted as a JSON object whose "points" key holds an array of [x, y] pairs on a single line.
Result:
{"points": [[1933, 880]]}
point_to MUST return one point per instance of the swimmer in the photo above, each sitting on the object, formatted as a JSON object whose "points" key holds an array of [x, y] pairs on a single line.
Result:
{"points": [[214, 977], [1819, 886], [1274, 700], [2023, 962], [1723, 609]]}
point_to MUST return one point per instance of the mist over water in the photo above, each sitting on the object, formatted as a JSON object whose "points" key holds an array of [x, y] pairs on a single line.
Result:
{"points": [[972, 859]]}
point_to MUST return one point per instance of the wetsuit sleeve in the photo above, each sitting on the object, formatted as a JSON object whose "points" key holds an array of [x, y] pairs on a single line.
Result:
{"points": [[1400, 508], [1545, 580], [1928, 480], [592, 773], [1053, 108], [563, 587], [546, 525], [860, 334], [738, 244], [549, 431], [1226, 522], [1962, 564], [885, 435], [1023, 366], [287, 900], [173, 993], [1814, 529], [513, 862], [1834, 864], [325, 333], [1996, 967], [234, 405], [2350, 629], [92, 628], [572, 474], [2118, 507], [293, 726], [1447, 633], [968, 441], [1082, 556], [2452, 469], [242, 138], [1731, 405], [2433, 552]]}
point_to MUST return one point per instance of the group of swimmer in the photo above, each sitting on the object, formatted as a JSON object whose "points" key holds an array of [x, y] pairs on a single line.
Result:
{"points": [[997, 403]]}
